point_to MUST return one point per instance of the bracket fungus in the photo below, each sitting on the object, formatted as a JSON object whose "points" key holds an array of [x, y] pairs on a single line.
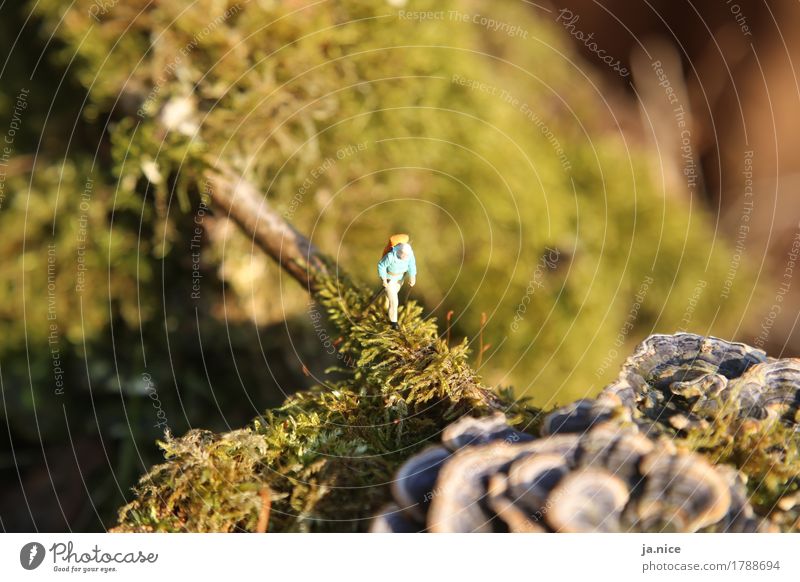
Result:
{"points": [[416, 478], [726, 400], [469, 431], [588, 500], [609, 478]]}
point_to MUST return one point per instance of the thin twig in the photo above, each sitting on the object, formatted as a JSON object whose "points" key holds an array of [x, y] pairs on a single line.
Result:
{"points": [[480, 339], [449, 317]]}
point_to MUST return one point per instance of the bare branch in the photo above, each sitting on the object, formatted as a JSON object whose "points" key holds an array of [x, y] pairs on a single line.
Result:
{"points": [[248, 208]]}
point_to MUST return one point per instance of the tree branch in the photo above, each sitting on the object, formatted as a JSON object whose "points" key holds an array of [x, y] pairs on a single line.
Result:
{"points": [[248, 208]]}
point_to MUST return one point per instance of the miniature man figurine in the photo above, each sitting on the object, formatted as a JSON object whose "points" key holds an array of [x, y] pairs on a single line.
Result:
{"points": [[398, 259]]}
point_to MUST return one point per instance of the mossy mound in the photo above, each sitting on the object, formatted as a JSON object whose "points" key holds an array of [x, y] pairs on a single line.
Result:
{"points": [[328, 455]]}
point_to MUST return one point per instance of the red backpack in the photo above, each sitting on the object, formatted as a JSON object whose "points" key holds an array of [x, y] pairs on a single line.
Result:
{"points": [[394, 240]]}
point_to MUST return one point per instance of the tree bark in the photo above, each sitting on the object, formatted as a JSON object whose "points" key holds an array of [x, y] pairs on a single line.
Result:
{"points": [[248, 208]]}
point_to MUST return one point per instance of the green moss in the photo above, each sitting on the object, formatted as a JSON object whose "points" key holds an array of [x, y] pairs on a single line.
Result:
{"points": [[328, 454], [214, 485], [766, 452]]}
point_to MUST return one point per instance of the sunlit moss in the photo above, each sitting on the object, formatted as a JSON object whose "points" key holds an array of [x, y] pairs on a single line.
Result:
{"points": [[767, 452], [328, 454]]}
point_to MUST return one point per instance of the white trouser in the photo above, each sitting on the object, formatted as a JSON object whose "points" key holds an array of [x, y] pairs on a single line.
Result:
{"points": [[393, 301]]}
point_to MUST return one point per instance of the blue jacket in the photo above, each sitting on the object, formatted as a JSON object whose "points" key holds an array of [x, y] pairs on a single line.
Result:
{"points": [[391, 263]]}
